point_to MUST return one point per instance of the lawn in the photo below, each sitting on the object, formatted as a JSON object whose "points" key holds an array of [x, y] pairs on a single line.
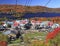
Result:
{"points": [[32, 39], [38, 39]]}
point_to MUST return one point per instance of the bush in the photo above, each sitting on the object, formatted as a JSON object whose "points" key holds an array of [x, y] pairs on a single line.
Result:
{"points": [[3, 37], [55, 41]]}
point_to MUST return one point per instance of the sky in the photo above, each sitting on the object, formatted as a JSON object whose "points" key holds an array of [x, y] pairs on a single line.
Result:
{"points": [[51, 4]]}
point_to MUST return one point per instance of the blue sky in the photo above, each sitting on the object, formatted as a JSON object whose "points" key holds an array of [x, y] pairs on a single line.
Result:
{"points": [[52, 4]]}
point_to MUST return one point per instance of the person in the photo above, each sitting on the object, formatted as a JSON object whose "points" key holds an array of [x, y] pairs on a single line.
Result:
{"points": [[28, 25], [19, 34]]}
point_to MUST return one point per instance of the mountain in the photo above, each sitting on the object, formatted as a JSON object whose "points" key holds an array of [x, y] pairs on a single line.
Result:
{"points": [[21, 9]]}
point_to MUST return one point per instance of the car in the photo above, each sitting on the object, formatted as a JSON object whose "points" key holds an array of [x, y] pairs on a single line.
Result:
{"points": [[12, 34], [27, 26], [2, 28]]}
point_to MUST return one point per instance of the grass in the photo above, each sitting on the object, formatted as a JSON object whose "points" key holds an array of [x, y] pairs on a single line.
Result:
{"points": [[32, 35], [30, 39], [16, 41]]}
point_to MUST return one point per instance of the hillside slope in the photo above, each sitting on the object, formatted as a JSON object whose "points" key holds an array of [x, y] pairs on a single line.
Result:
{"points": [[20, 8]]}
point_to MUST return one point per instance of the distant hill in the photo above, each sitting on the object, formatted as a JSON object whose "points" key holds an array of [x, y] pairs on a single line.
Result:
{"points": [[18, 12], [21, 9]]}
